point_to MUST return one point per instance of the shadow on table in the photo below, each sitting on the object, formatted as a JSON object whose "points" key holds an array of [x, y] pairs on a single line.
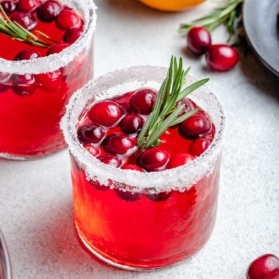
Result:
{"points": [[259, 75], [56, 249]]}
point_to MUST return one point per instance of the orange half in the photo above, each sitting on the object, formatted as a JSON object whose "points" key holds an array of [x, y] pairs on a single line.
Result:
{"points": [[171, 5]]}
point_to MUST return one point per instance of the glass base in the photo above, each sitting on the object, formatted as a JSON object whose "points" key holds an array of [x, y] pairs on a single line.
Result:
{"points": [[119, 265], [37, 155]]}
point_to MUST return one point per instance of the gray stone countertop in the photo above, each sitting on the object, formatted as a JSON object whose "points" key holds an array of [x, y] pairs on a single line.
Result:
{"points": [[36, 203]]}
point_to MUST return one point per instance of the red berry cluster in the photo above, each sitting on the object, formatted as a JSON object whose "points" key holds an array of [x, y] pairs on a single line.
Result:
{"points": [[110, 128], [264, 267], [27, 13], [219, 57]]}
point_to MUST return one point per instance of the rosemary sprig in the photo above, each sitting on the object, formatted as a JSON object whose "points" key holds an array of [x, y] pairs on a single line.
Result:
{"points": [[166, 111], [18, 32], [229, 14]]}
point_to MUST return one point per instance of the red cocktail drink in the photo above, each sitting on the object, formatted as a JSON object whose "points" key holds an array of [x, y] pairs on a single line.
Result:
{"points": [[131, 210], [36, 81]]}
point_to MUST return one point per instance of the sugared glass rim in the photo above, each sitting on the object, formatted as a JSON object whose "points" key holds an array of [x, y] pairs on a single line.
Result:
{"points": [[173, 179], [55, 61]]}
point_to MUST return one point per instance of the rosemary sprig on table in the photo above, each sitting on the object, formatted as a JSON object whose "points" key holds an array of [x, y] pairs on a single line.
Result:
{"points": [[229, 14], [18, 32], [167, 110]]}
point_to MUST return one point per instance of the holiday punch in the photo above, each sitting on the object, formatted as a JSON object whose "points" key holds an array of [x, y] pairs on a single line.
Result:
{"points": [[145, 165], [46, 50]]}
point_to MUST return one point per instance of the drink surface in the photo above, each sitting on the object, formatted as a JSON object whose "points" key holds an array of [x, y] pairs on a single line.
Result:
{"points": [[143, 229], [31, 105]]}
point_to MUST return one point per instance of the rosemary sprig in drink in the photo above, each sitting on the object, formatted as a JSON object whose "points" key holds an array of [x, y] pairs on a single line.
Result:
{"points": [[229, 14], [167, 110], [18, 32]]}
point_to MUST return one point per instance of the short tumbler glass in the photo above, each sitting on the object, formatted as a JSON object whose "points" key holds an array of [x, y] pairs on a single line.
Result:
{"points": [[142, 234], [29, 125]]}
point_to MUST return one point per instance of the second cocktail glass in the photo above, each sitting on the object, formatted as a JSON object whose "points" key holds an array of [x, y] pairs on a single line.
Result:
{"points": [[34, 92]]}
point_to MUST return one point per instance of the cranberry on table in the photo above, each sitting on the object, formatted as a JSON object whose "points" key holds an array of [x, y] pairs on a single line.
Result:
{"points": [[8, 6], [142, 101], [106, 113], [57, 48], [180, 159], [27, 54], [132, 123], [72, 34], [222, 57], [111, 160], [28, 5], [23, 85], [153, 159], [93, 133], [198, 146], [68, 18], [198, 40], [119, 144], [49, 10], [26, 20], [264, 267]]}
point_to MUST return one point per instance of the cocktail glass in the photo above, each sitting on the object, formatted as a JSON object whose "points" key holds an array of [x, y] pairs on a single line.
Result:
{"points": [[29, 125], [146, 232]]}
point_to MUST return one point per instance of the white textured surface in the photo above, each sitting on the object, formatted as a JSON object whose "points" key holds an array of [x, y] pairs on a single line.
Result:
{"points": [[35, 201]]}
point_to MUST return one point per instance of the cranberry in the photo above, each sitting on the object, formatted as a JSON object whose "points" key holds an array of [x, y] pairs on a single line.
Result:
{"points": [[180, 159], [28, 5], [188, 105], [68, 18], [119, 144], [162, 196], [198, 40], [9, 6], [72, 34], [4, 78], [123, 100], [50, 81], [198, 146], [106, 113], [93, 133], [93, 150], [264, 267], [111, 160], [153, 159], [132, 167], [98, 186], [222, 57], [127, 195], [27, 54], [26, 20], [194, 126], [131, 123], [49, 10], [57, 48], [23, 85], [142, 101]]}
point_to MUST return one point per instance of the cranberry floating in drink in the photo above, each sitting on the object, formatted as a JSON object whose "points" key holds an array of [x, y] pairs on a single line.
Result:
{"points": [[145, 196], [46, 55]]}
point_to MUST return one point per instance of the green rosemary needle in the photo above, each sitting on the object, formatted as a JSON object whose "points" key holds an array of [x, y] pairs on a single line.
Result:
{"points": [[228, 14], [167, 111], [18, 32]]}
